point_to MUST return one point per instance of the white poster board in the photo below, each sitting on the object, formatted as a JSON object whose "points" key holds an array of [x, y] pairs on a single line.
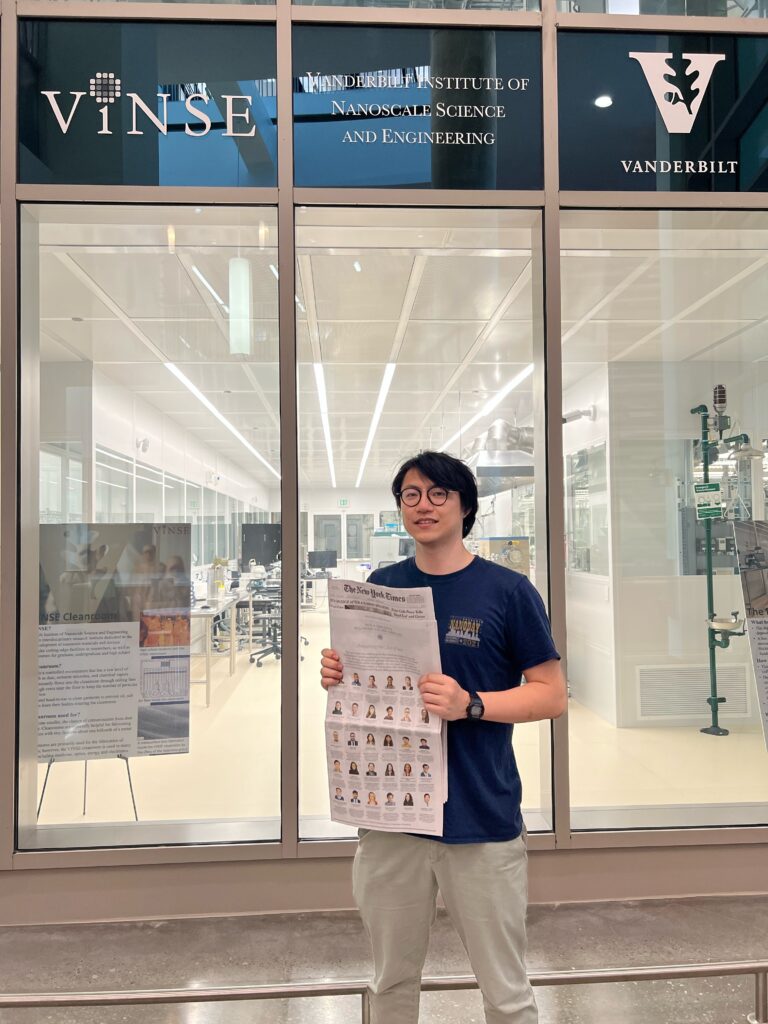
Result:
{"points": [[113, 640], [752, 550]]}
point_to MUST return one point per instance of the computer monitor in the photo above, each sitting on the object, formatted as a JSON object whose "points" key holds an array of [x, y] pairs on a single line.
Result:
{"points": [[261, 542], [322, 560]]}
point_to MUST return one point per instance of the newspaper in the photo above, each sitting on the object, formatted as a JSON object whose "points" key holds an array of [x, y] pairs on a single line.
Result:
{"points": [[386, 754]]}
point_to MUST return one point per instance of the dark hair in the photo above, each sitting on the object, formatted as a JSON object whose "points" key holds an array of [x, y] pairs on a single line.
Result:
{"points": [[445, 471]]}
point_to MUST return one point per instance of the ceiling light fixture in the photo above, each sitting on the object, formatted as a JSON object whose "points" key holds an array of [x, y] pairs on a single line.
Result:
{"points": [[386, 380], [322, 398], [240, 306], [357, 266], [219, 416], [491, 404], [603, 102], [207, 284]]}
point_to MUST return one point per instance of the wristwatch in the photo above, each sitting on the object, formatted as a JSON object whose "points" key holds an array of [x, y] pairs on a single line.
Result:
{"points": [[475, 708]]}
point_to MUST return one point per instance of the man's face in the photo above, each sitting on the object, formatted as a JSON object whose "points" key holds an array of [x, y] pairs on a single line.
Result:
{"points": [[427, 523]]}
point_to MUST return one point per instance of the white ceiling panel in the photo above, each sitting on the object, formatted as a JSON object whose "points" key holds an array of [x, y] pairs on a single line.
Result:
{"points": [[587, 280], [356, 342], [747, 300], [672, 284], [145, 284], [51, 351], [748, 345], [511, 341], [465, 287], [99, 340], [686, 339], [438, 341], [63, 295], [416, 378], [522, 306], [208, 339], [375, 294], [600, 340]]}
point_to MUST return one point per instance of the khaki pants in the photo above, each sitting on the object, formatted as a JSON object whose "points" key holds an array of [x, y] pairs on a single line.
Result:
{"points": [[485, 890]]}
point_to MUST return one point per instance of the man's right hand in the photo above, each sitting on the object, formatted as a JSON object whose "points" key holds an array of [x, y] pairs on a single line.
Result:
{"points": [[332, 669]]}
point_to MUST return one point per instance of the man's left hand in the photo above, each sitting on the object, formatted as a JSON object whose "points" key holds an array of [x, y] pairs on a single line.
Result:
{"points": [[443, 696]]}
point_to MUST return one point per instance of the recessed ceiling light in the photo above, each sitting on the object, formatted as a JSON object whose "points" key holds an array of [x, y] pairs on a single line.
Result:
{"points": [[604, 101], [357, 266]]}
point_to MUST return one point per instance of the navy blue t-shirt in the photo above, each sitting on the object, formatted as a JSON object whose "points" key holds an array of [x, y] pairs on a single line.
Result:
{"points": [[492, 626]]}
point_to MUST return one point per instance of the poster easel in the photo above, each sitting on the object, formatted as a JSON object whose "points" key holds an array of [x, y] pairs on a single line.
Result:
{"points": [[121, 757]]}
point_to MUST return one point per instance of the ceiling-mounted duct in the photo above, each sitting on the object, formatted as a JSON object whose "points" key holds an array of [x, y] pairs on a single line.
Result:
{"points": [[500, 457]]}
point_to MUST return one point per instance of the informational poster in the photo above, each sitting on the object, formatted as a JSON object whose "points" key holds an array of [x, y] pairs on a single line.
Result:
{"points": [[752, 552], [113, 640], [386, 754]]}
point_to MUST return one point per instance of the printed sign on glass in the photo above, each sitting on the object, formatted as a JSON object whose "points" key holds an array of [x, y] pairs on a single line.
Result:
{"points": [[662, 112], [417, 108], [134, 103]]}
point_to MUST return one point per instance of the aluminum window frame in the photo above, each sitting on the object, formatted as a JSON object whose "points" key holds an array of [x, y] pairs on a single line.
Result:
{"points": [[18, 402]]}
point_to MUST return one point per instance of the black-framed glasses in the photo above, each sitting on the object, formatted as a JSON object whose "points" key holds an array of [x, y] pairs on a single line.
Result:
{"points": [[411, 496]]}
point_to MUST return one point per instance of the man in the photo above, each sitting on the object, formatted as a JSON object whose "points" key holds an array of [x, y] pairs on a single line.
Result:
{"points": [[352, 741], [493, 632], [355, 797]]}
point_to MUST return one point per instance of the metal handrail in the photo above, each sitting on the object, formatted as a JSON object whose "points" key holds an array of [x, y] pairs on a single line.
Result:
{"points": [[359, 987]]}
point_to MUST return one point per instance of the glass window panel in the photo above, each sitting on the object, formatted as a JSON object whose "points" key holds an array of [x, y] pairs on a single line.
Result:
{"points": [[453, 298], [471, 5], [114, 484], [658, 308], [193, 516], [149, 494], [327, 534], [359, 530], [664, 112], [174, 499], [693, 8], [173, 103], [123, 326], [417, 107], [209, 525]]}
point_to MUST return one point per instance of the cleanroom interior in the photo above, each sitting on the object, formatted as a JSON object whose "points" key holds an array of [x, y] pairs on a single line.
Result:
{"points": [[149, 341]]}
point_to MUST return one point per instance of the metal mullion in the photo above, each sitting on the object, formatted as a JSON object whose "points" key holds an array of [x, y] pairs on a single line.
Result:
{"points": [[148, 856], [553, 405], [729, 835], [662, 23], [289, 501], [9, 434], [181, 195], [664, 200], [415, 17], [460, 198], [155, 12]]}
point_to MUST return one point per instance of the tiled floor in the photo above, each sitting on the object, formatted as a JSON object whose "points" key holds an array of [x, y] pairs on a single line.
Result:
{"points": [[278, 949]]}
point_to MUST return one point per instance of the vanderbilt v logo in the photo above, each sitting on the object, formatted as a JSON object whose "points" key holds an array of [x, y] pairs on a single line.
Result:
{"points": [[678, 83]]}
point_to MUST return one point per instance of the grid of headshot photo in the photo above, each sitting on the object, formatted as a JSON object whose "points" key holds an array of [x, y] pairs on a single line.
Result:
{"points": [[385, 754]]}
